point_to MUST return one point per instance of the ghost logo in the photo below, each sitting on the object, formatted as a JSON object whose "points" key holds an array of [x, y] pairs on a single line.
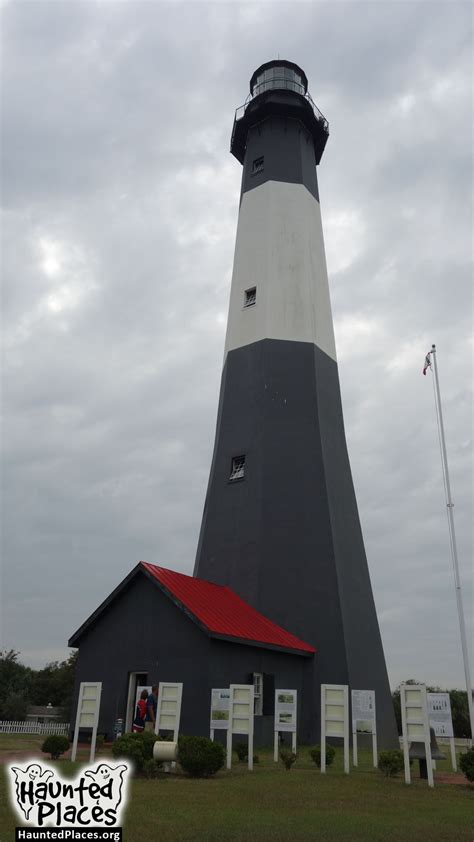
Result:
{"points": [[95, 797], [24, 782], [112, 777]]}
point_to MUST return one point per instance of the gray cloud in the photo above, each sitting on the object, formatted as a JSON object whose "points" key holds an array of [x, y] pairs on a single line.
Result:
{"points": [[120, 204]]}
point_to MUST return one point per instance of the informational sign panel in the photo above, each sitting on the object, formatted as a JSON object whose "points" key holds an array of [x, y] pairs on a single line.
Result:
{"points": [[241, 713], [439, 714], [415, 725], [440, 719], [220, 699], [87, 716], [168, 713], [364, 720], [285, 717], [335, 719]]}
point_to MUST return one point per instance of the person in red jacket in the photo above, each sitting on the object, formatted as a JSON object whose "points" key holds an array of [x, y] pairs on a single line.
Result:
{"points": [[140, 713]]}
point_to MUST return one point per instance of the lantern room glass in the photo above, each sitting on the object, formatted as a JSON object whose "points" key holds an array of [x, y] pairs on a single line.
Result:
{"points": [[277, 78]]}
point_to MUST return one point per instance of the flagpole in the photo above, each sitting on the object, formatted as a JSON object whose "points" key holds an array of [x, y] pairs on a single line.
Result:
{"points": [[454, 552]]}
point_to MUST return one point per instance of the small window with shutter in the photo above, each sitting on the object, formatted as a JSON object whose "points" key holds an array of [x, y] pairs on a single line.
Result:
{"points": [[257, 165], [237, 470], [250, 297]]}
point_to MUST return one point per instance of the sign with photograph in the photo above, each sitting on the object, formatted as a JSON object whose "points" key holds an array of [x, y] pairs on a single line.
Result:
{"points": [[440, 719], [363, 711], [285, 718], [439, 714], [285, 710], [220, 700], [364, 721]]}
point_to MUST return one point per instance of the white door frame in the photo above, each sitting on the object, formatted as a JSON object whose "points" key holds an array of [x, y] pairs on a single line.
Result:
{"points": [[129, 716]]}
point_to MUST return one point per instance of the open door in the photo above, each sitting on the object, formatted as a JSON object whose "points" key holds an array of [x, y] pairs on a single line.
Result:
{"points": [[135, 679]]}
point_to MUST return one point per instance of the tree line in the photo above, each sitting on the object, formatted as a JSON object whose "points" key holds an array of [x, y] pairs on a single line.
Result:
{"points": [[22, 686]]}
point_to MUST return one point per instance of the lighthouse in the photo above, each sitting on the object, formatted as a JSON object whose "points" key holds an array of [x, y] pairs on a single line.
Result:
{"points": [[280, 525]]}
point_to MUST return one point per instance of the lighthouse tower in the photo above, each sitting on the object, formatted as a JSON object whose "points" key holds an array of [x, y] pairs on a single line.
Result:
{"points": [[280, 523]]}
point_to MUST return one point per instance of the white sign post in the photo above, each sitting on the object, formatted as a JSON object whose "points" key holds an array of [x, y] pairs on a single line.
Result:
{"points": [[168, 709], [440, 719], [87, 716], [364, 720], [335, 719], [241, 712], [285, 717], [168, 712], [220, 699], [415, 725]]}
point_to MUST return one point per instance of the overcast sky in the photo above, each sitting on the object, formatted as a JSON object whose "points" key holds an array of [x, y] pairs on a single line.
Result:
{"points": [[120, 203]]}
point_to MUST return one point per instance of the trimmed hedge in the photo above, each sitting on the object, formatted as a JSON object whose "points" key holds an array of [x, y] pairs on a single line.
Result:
{"points": [[200, 757], [287, 757], [242, 752], [315, 754], [466, 764], [55, 745], [391, 762], [136, 748]]}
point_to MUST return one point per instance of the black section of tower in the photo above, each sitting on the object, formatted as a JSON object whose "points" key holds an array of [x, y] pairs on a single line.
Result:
{"points": [[287, 538], [287, 150]]}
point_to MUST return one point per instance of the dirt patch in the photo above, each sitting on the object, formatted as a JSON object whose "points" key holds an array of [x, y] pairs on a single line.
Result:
{"points": [[13, 756], [450, 778], [21, 754]]}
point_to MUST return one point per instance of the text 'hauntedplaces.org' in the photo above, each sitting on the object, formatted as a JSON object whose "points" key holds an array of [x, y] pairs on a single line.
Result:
{"points": [[68, 834]]}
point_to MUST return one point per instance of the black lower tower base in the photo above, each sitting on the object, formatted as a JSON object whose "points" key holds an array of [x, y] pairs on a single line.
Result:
{"points": [[286, 537]]}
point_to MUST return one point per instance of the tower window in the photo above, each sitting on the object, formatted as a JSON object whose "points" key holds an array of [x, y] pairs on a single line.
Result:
{"points": [[238, 468], [250, 297], [257, 165]]}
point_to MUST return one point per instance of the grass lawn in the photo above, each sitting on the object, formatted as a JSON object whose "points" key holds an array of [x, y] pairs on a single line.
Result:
{"points": [[273, 805]]}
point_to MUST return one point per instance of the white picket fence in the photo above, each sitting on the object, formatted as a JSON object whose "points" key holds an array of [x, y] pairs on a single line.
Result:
{"points": [[34, 728]]}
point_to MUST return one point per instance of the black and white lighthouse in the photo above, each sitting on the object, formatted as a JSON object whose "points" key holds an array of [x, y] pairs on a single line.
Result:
{"points": [[280, 524]]}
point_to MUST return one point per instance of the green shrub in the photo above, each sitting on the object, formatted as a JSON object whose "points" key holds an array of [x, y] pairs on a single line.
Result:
{"points": [[288, 757], [242, 752], [200, 757], [99, 742], [391, 762], [152, 768], [55, 745], [137, 748], [466, 764], [315, 754]]}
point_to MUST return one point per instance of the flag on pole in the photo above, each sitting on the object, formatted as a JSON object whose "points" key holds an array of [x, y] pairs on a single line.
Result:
{"points": [[427, 362]]}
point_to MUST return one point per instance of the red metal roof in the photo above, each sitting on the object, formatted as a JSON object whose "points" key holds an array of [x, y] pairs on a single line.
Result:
{"points": [[222, 612]]}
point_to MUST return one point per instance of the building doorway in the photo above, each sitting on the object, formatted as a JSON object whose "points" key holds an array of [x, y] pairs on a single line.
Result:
{"points": [[135, 680]]}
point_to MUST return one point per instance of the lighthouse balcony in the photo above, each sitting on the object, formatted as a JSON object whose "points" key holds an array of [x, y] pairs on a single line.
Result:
{"points": [[282, 97]]}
